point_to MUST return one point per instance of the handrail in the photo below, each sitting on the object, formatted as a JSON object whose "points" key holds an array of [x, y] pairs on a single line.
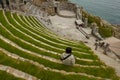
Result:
{"points": [[83, 32]]}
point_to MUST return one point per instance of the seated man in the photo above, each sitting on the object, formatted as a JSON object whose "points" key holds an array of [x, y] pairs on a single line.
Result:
{"points": [[67, 57]]}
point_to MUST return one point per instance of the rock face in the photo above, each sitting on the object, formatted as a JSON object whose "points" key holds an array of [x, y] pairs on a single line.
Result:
{"points": [[117, 31], [39, 2]]}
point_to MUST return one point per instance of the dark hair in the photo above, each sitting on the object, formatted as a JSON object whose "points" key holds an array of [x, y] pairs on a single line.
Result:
{"points": [[68, 50], [96, 40]]}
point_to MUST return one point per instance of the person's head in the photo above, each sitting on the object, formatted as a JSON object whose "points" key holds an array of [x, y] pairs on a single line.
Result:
{"points": [[68, 50]]}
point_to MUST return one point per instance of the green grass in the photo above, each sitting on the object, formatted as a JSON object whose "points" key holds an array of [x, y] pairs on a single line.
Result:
{"points": [[9, 36], [106, 31], [52, 39], [6, 76], [36, 71], [43, 46], [46, 36], [37, 34], [48, 63]]}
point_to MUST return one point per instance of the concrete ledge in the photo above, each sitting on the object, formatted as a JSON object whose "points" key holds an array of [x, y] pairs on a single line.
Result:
{"points": [[66, 14]]}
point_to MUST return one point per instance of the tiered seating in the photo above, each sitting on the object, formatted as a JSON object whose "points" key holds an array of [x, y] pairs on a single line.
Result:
{"points": [[6, 76], [40, 49]]}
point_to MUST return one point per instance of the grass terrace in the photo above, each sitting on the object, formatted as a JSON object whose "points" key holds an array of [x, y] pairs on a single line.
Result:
{"points": [[26, 37], [6, 76]]}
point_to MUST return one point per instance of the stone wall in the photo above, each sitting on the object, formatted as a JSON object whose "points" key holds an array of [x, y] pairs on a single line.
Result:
{"points": [[68, 7], [48, 7], [49, 10], [38, 2], [117, 31]]}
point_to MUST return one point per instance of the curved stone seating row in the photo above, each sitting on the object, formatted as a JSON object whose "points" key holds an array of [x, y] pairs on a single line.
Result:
{"points": [[52, 60], [53, 53], [56, 35], [38, 29], [45, 57], [50, 41], [23, 41], [46, 68], [7, 76], [49, 34], [27, 76], [17, 73]]}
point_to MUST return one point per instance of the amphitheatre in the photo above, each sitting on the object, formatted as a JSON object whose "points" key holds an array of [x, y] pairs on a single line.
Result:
{"points": [[34, 33]]}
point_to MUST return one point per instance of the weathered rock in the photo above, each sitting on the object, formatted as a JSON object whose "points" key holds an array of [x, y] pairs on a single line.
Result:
{"points": [[116, 31]]}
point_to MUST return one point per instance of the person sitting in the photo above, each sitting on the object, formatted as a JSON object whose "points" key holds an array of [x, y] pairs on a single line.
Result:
{"points": [[67, 58]]}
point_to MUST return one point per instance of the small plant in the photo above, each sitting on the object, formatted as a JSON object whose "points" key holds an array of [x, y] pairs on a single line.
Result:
{"points": [[106, 31]]}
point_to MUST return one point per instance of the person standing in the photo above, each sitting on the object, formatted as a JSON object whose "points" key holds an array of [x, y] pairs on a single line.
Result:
{"points": [[102, 44], [8, 4], [96, 44], [1, 2], [106, 49], [67, 58]]}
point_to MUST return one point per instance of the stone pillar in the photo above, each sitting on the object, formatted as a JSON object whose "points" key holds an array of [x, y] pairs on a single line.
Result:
{"points": [[86, 22], [93, 26], [81, 8], [17, 4], [77, 11], [79, 14]]}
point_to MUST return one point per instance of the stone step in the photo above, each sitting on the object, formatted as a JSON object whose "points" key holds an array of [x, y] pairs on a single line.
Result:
{"points": [[45, 68], [17, 73]]}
